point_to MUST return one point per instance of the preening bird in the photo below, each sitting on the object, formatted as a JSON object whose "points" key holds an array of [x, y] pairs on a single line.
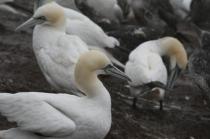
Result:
{"points": [[63, 116], [56, 52], [81, 26], [147, 70]]}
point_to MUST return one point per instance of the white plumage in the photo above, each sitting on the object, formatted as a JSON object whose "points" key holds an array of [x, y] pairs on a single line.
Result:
{"points": [[145, 65], [63, 116], [80, 25], [93, 35], [56, 52], [55, 116]]}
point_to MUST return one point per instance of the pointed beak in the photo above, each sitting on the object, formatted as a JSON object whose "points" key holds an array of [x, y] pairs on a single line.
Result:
{"points": [[113, 71], [29, 23], [174, 74]]}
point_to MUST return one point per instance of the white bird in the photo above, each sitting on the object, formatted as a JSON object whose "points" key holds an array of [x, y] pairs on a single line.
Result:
{"points": [[56, 52], [181, 7], [107, 9], [62, 116], [147, 71], [81, 26]]}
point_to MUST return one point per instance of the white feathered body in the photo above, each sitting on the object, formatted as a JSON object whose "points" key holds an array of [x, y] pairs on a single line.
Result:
{"points": [[87, 30], [145, 64], [57, 54], [56, 116], [90, 33]]}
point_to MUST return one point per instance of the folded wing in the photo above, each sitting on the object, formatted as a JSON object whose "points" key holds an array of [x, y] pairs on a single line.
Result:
{"points": [[35, 115]]}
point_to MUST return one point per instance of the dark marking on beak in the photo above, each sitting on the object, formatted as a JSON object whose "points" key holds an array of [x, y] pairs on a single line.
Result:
{"points": [[113, 71]]}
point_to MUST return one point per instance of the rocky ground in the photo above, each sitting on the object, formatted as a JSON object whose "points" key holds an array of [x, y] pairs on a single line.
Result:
{"points": [[186, 112]]}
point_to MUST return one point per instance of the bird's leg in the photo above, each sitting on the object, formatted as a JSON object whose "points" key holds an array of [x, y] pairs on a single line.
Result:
{"points": [[161, 105], [134, 102]]}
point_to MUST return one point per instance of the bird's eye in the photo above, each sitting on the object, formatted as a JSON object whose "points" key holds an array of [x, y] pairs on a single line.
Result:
{"points": [[41, 18]]}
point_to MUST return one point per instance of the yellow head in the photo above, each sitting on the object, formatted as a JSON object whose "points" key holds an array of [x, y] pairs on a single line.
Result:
{"points": [[175, 50], [88, 65], [50, 14], [93, 60]]}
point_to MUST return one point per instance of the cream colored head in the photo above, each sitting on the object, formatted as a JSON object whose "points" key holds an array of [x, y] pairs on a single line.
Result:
{"points": [[86, 70], [93, 60], [86, 67], [50, 15], [175, 50], [52, 12]]}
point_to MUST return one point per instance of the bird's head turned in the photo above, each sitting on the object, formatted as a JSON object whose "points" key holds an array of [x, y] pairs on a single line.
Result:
{"points": [[175, 49]]}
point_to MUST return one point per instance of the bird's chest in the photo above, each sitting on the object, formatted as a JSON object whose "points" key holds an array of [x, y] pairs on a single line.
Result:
{"points": [[94, 125]]}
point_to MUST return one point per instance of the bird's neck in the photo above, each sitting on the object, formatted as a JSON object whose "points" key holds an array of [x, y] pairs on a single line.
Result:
{"points": [[89, 83], [50, 31], [174, 49]]}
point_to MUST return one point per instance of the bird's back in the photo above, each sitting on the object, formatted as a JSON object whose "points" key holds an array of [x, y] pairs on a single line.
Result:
{"points": [[145, 66], [57, 55]]}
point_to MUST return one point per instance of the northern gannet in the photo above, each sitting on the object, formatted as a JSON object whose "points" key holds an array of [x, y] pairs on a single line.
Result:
{"points": [[147, 70], [63, 116], [56, 52], [81, 26]]}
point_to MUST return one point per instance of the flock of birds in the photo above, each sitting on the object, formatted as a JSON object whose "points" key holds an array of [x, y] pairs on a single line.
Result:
{"points": [[71, 50]]}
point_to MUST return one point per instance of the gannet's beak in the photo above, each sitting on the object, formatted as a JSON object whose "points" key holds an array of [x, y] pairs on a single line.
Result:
{"points": [[29, 23], [174, 74], [113, 71]]}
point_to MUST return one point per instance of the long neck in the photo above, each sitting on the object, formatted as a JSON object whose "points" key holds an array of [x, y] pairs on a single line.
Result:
{"points": [[89, 83], [174, 49]]}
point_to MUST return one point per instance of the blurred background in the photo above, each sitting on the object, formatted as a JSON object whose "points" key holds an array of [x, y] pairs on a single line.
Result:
{"points": [[187, 107]]}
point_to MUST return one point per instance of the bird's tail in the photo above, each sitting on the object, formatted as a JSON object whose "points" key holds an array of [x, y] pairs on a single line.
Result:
{"points": [[112, 42]]}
